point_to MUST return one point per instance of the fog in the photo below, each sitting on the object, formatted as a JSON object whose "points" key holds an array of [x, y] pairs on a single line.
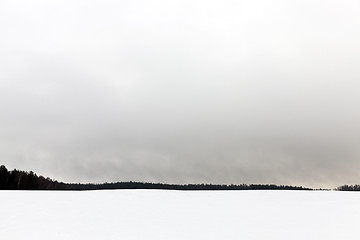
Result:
{"points": [[181, 91]]}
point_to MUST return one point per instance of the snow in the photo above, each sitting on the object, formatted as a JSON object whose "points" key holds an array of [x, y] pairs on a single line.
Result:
{"points": [[159, 214]]}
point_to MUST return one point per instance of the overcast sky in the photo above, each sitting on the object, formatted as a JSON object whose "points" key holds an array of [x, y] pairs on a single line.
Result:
{"points": [[182, 91]]}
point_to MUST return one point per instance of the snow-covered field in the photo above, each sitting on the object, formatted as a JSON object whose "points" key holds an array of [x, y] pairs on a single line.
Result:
{"points": [[158, 214]]}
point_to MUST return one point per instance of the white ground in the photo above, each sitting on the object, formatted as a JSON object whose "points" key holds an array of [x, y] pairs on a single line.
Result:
{"points": [[156, 214]]}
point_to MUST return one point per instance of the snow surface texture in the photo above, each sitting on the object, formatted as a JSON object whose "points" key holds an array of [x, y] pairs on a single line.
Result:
{"points": [[158, 214]]}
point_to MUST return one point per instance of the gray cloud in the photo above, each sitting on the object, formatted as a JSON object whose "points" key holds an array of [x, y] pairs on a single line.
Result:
{"points": [[181, 91]]}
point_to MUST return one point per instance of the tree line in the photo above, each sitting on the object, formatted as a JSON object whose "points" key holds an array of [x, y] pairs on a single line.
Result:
{"points": [[355, 187], [22, 180]]}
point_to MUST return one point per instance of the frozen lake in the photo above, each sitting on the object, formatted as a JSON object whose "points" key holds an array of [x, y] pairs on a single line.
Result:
{"points": [[160, 214]]}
